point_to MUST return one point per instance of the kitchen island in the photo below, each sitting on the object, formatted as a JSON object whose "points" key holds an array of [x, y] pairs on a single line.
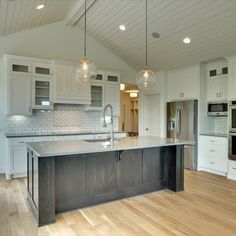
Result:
{"points": [[65, 175]]}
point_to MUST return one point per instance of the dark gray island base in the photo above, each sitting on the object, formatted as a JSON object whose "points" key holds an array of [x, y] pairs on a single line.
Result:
{"points": [[66, 182]]}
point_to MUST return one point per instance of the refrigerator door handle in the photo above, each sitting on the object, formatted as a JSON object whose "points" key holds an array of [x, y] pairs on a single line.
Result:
{"points": [[177, 122], [180, 121]]}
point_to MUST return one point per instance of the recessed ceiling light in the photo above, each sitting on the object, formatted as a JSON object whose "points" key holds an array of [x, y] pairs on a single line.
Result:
{"points": [[41, 6], [122, 27], [187, 40], [155, 35]]}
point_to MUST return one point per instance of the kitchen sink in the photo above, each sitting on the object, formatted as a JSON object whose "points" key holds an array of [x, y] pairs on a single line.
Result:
{"points": [[99, 140]]}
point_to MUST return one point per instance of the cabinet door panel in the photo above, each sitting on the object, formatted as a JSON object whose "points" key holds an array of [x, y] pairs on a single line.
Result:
{"points": [[153, 165], [101, 173], [70, 179], [129, 169], [19, 160], [19, 95]]}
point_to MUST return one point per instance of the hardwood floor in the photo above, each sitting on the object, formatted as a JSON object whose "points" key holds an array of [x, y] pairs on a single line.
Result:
{"points": [[206, 207]]}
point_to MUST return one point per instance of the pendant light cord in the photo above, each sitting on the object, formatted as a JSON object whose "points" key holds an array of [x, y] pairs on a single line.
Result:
{"points": [[85, 28], [146, 36]]}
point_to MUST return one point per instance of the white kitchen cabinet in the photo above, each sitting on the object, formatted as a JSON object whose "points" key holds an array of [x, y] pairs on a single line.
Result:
{"points": [[42, 69], [231, 169], [67, 89], [19, 94], [42, 92], [17, 159], [112, 96], [112, 77], [213, 154], [217, 80], [97, 96], [18, 66], [217, 88], [182, 84], [232, 78]]}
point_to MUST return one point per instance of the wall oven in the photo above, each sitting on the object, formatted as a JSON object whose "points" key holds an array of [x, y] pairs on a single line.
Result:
{"points": [[232, 116], [232, 146]]}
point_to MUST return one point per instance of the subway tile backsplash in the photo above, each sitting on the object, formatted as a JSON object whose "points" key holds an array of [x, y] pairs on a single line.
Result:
{"points": [[64, 118], [220, 124]]}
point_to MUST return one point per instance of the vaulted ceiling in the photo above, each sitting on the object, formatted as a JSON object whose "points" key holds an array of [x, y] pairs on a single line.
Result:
{"points": [[211, 24]]}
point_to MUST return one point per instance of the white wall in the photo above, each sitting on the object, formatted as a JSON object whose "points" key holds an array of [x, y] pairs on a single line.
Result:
{"points": [[57, 41]]}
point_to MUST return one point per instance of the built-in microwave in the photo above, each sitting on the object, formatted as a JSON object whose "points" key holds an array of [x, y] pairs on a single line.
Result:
{"points": [[217, 109], [232, 116]]}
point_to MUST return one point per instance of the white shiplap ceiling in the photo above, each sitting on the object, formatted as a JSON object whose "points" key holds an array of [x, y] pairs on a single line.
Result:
{"points": [[18, 15], [211, 24]]}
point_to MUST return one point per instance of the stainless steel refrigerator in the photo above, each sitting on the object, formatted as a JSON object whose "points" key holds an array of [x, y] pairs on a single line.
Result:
{"points": [[182, 121]]}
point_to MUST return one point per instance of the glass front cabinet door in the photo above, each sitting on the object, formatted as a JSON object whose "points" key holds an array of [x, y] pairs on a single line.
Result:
{"points": [[97, 96], [42, 93]]}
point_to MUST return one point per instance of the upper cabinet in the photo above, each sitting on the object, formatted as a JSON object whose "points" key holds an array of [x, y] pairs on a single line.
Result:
{"points": [[43, 70], [217, 80], [183, 84], [232, 78], [29, 84], [67, 89], [19, 95]]}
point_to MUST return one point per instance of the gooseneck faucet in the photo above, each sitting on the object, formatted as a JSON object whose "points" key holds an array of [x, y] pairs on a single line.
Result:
{"points": [[109, 106]]}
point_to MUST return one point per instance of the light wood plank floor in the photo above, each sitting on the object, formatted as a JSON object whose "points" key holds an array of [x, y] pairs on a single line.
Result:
{"points": [[206, 207]]}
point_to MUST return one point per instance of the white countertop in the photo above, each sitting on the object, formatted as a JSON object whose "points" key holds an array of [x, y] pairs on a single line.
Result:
{"points": [[60, 148]]}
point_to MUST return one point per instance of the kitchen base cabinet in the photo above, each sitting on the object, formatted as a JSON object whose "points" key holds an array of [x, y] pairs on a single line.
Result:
{"points": [[213, 154], [73, 181], [231, 169]]}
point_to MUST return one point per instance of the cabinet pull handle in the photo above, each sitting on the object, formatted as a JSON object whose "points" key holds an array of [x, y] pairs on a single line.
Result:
{"points": [[234, 168], [29, 109], [22, 142], [212, 150], [212, 162], [213, 141]]}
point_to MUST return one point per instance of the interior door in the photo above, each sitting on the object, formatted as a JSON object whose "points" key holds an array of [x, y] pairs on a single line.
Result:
{"points": [[151, 115]]}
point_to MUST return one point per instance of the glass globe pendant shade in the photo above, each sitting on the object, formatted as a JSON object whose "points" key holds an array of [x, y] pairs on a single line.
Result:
{"points": [[86, 70], [145, 79]]}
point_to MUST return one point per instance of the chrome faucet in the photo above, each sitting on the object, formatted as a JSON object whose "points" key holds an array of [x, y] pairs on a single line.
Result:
{"points": [[104, 120]]}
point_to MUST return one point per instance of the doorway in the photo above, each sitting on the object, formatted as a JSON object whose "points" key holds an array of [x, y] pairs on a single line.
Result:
{"points": [[129, 109]]}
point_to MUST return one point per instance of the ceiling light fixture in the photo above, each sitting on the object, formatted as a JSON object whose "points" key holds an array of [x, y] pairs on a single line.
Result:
{"points": [[187, 40], [40, 6], [86, 69], [122, 87], [146, 77], [133, 95], [122, 27]]}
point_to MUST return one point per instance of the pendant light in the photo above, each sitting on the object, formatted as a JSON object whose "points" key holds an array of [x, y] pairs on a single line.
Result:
{"points": [[146, 77], [86, 69]]}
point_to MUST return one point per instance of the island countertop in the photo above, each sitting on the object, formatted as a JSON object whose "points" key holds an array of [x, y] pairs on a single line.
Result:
{"points": [[61, 148]]}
